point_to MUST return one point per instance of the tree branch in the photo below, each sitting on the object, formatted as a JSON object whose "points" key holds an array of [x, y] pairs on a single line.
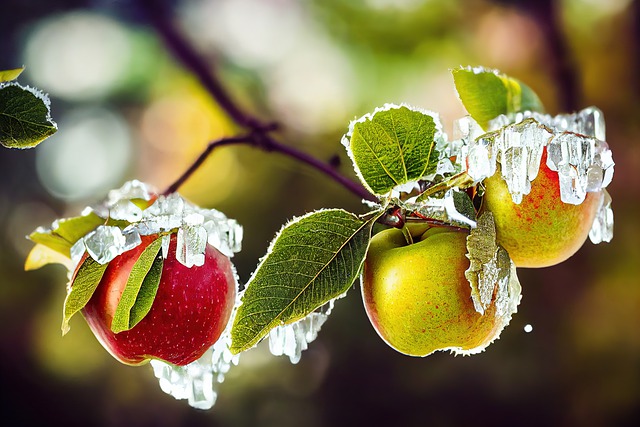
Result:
{"points": [[259, 132]]}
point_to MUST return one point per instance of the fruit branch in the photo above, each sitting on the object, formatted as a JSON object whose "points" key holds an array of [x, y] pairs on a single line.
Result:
{"points": [[258, 135]]}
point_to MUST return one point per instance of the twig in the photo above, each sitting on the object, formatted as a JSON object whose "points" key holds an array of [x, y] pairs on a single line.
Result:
{"points": [[264, 141], [561, 63], [259, 132], [203, 156]]}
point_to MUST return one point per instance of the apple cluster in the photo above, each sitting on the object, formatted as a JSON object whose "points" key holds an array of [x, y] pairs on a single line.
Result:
{"points": [[434, 281]]}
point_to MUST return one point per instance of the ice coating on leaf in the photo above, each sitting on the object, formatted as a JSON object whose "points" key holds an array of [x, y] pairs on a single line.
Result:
{"points": [[38, 94], [442, 209], [602, 228], [291, 340], [195, 226], [492, 277], [198, 381]]}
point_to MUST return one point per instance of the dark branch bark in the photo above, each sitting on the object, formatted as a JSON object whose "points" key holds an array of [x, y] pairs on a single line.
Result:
{"points": [[258, 135]]}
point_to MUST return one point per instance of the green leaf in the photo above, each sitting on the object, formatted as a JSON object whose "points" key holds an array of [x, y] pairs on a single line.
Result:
{"points": [[487, 93], [393, 146], [464, 205], [25, 119], [314, 259], [81, 289], [64, 233], [140, 290], [8, 75]]}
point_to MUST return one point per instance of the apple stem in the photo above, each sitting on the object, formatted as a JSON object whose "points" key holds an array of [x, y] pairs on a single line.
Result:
{"points": [[258, 132]]}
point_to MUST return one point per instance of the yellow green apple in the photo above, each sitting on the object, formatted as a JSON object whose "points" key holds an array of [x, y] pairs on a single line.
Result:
{"points": [[417, 296]]}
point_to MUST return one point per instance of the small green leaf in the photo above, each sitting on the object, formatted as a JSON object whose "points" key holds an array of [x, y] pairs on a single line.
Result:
{"points": [[8, 75], [64, 233], [486, 94], [140, 290], [393, 146], [313, 260], [25, 119], [81, 289], [463, 204]]}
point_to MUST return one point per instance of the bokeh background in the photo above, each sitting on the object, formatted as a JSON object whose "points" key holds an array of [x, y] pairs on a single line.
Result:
{"points": [[126, 109]]}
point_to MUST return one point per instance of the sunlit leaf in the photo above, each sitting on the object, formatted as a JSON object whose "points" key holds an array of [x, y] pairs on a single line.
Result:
{"points": [[8, 75], [140, 290], [25, 118], [41, 255], [65, 232], [393, 146], [486, 94], [83, 286], [312, 260]]}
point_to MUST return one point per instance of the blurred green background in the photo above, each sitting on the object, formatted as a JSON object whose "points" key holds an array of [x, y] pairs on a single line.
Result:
{"points": [[127, 110]]}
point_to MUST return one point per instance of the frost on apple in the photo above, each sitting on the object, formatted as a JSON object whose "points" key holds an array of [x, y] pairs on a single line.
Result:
{"points": [[291, 340], [583, 164], [195, 226], [198, 381], [576, 149]]}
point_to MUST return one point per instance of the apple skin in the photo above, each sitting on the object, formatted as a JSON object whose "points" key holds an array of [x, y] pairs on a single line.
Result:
{"points": [[542, 230], [191, 309], [417, 296]]}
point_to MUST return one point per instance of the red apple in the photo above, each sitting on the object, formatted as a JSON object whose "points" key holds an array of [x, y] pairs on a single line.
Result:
{"points": [[190, 311]]}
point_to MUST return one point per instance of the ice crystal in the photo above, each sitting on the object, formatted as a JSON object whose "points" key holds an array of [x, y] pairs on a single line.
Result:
{"points": [[442, 209], [198, 382], [195, 227], [602, 228], [291, 340]]}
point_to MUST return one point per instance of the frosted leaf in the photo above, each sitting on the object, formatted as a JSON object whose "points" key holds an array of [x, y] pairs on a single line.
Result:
{"points": [[602, 228], [291, 340], [492, 278], [198, 381], [441, 209]]}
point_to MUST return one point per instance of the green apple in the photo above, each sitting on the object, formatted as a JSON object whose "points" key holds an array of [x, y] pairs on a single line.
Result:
{"points": [[542, 230], [417, 296]]}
